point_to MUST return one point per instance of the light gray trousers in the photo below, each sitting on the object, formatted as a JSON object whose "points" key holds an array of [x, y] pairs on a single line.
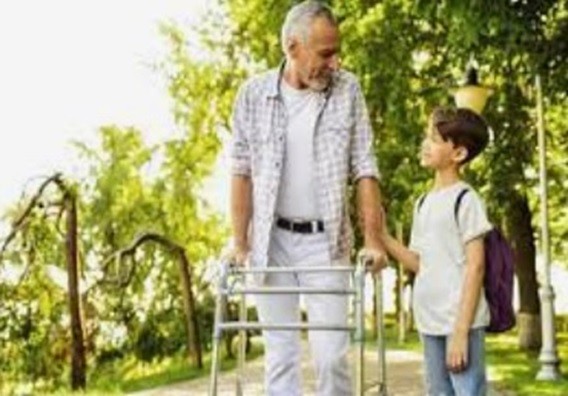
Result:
{"points": [[329, 349]]}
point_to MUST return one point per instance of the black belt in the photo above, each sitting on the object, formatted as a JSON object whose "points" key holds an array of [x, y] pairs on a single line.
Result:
{"points": [[303, 227]]}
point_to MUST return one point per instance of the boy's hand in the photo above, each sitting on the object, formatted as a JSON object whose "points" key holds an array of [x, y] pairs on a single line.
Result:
{"points": [[457, 359]]}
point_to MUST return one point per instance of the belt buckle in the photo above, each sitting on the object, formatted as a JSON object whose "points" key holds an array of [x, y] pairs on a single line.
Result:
{"points": [[314, 226]]}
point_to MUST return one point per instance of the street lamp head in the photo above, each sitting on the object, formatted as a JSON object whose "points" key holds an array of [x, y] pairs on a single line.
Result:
{"points": [[472, 95]]}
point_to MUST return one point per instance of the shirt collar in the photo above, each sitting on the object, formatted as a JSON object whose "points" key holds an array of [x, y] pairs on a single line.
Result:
{"points": [[275, 82]]}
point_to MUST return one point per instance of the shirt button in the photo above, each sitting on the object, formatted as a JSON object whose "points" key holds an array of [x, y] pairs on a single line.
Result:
{"points": [[277, 164]]}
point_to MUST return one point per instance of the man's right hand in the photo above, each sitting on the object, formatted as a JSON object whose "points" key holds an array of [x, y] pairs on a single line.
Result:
{"points": [[239, 255]]}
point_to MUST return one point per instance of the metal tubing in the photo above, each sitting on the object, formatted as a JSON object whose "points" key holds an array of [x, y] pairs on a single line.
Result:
{"points": [[359, 283], [221, 301], [380, 335], [282, 326], [267, 270], [242, 347], [284, 290], [357, 272]]}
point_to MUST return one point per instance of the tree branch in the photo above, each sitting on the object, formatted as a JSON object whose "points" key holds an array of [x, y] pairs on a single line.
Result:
{"points": [[130, 250], [19, 223]]}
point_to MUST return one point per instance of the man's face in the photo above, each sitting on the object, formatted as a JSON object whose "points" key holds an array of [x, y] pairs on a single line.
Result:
{"points": [[317, 58]]}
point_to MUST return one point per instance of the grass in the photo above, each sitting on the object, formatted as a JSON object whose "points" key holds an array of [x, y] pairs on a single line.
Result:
{"points": [[411, 342], [510, 368], [130, 375], [516, 370], [166, 372]]}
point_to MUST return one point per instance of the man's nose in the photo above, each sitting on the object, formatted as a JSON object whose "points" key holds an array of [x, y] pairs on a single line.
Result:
{"points": [[334, 62]]}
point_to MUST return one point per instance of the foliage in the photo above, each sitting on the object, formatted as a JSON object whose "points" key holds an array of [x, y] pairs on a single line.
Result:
{"points": [[408, 56]]}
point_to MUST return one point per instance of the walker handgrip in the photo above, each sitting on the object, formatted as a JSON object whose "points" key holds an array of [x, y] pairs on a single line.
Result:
{"points": [[366, 261]]}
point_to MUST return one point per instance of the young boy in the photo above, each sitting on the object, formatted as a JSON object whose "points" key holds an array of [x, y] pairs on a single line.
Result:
{"points": [[446, 253]]}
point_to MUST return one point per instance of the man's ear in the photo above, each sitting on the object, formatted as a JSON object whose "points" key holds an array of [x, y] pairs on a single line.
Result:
{"points": [[292, 46]]}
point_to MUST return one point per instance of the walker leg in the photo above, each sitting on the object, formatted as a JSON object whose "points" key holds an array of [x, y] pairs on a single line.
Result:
{"points": [[359, 339], [242, 347], [381, 346], [220, 304]]}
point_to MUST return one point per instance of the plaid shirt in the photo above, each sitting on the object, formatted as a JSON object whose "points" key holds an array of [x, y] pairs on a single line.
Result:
{"points": [[343, 147]]}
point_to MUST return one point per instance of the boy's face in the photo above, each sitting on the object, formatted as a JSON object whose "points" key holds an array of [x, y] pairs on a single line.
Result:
{"points": [[439, 154]]}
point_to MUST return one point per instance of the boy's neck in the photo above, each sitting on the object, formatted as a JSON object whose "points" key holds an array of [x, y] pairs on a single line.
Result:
{"points": [[446, 177]]}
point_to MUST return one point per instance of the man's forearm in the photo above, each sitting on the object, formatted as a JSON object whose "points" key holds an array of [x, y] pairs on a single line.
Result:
{"points": [[370, 213], [241, 208]]}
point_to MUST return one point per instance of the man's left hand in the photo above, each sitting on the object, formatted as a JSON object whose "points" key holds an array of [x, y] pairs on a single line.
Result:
{"points": [[375, 257]]}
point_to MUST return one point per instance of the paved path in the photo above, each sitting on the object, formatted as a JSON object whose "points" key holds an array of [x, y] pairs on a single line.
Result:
{"points": [[404, 378]]}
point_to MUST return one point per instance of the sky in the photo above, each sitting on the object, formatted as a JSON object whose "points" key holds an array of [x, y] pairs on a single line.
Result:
{"points": [[67, 67]]}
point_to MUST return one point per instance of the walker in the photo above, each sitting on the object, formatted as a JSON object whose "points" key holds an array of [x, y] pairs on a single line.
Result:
{"points": [[356, 325]]}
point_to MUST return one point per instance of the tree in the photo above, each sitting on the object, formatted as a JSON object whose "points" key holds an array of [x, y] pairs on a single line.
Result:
{"points": [[67, 204], [193, 339]]}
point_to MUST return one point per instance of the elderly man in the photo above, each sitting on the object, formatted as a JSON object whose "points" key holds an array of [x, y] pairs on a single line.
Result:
{"points": [[299, 133]]}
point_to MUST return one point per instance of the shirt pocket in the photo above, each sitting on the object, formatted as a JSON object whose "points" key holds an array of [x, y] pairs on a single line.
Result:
{"points": [[336, 132], [260, 150], [336, 140]]}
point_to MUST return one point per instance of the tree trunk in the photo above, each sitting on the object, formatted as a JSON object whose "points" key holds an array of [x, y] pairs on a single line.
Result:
{"points": [[78, 361], [522, 240], [193, 339]]}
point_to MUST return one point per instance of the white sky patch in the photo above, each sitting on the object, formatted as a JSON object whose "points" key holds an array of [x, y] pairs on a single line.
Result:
{"points": [[68, 67]]}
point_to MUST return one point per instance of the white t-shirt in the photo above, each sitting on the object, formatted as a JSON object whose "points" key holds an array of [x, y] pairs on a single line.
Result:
{"points": [[297, 197], [439, 239]]}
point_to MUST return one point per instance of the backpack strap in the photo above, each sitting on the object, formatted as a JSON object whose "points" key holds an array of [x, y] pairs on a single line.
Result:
{"points": [[420, 202], [458, 203]]}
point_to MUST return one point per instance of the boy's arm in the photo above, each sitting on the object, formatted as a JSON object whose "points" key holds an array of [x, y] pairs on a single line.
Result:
{"points": [[471, 289], [409, 259], [475, 269]]}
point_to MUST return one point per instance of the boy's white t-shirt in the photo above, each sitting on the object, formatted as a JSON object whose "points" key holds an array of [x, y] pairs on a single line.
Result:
{"points": [[439, 238]]}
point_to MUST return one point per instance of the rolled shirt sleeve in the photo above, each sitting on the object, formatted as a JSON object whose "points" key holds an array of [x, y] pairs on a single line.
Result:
{"points": [[363, 162], [414, 242], [239, 146]]}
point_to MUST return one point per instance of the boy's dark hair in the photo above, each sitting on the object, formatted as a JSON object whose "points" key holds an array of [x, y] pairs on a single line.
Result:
{"points": [[463, 127]]}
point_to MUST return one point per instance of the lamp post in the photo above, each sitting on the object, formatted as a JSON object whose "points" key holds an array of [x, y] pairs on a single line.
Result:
{"points": [[549, 370], [471, 95]]}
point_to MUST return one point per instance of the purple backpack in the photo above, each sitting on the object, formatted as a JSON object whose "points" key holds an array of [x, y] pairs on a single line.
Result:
{"points": [[499, 276]]}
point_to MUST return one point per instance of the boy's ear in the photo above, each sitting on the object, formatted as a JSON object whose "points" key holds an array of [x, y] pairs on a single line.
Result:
{"points": [[460, 154]]}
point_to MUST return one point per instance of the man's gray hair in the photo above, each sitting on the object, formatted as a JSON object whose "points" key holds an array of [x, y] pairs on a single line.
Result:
{"points": [[299, 19]]}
